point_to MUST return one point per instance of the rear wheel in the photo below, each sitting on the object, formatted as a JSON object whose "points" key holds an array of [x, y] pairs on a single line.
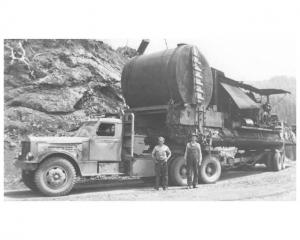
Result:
{"points": [[283, 160], [269, 161], [210, 170], [277, 161], [178, 171], [28, 180], [55, 177]]}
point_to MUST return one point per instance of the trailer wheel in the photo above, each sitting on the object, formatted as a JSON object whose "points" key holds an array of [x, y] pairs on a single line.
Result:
{"points": [[55, 177], [269, 161], [28, 180], [283, 160], [210, 170], [277, 161], [178, 171]]}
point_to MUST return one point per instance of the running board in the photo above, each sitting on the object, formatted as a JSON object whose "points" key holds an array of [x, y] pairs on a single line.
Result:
{"points": [[111, 174]]}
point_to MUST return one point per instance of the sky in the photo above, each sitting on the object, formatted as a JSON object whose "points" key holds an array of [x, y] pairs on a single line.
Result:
{"points": [[247, 40], [241, 56]]}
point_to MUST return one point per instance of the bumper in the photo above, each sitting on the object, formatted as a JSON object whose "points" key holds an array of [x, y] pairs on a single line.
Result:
{"points": [[26, 165]]}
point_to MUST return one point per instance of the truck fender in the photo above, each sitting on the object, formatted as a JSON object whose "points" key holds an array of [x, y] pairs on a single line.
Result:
{"points": [[63, 154]]}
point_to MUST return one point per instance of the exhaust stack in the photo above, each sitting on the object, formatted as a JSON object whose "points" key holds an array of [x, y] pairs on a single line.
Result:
{"points": [[142, 48]]}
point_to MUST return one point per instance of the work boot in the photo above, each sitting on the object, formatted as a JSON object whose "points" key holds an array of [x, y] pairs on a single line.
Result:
{"points": [[194, 186], [165, 188], [156, 188], [189, 187]]}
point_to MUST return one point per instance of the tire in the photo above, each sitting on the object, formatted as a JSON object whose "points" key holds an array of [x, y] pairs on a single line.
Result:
{"points": [[210, 170], [55, 177], [277, 161], [269, 161], [283, 158], [178, 172], [28, 180]]}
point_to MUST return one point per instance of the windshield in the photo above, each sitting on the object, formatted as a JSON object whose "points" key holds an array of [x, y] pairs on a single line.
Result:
{"points": [[87, 129]]}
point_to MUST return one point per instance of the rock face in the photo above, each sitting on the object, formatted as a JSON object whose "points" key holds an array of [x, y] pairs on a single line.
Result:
{"points": [[52, 85]]}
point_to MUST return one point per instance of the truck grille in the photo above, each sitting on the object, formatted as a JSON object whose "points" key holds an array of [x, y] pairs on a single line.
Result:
{"points": [[25, 148]]}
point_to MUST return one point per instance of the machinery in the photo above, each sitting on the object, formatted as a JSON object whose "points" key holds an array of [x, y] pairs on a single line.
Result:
{"points": [[170, 93], [175, 92]]}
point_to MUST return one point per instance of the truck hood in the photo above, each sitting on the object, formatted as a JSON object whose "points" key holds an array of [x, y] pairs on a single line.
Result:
{"points": [[58, 139]]}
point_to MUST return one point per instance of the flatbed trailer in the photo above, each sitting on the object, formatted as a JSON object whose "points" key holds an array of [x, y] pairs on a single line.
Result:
{"points": [[175, 92]]}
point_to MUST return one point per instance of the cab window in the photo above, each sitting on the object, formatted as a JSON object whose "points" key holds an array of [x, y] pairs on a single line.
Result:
{"points": [[106, 129]]}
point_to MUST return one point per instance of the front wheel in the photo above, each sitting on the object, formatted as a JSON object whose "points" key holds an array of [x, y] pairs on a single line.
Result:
{"points": [[210, 170], [55, 177], [28, 180]]}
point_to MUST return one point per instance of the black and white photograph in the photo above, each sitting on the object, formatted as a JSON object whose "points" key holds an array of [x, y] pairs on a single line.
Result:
{"points": [[86, 121], [149, 119]]}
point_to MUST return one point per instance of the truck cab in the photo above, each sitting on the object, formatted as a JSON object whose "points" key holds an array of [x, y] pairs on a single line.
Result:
{"points": [[101, 146], [105, 139]]}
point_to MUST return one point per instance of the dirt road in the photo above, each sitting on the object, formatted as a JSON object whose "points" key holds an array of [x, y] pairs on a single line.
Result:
{"points": [[255, 184]]}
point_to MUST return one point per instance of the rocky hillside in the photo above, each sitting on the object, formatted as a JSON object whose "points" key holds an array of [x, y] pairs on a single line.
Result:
{"points": [[283, 105], [51, 85]]}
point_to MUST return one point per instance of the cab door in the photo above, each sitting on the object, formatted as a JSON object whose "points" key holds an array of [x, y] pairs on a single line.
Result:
{"points": [[106, 144]]}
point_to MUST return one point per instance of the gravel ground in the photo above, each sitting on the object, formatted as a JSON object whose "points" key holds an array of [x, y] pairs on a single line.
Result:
{"points": [[254, 184]]}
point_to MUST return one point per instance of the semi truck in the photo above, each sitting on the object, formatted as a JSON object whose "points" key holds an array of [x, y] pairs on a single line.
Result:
{"points": [[171, 93]]}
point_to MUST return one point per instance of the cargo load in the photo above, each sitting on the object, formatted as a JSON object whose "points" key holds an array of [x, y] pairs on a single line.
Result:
{"points": [[182, 75]]}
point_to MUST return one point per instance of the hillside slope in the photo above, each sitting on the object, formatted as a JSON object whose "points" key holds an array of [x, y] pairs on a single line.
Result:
{"points": [[51, 85]]}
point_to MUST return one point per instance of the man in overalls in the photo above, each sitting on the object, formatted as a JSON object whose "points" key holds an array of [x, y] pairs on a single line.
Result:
{"points": [[193, 158], [161, 154]]}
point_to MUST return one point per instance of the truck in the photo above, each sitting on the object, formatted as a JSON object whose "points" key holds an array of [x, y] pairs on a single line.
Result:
{"points": [[171, 93]]}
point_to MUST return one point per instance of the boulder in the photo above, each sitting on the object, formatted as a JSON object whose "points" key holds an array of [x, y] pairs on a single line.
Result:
{"points": [[23, 121], [50, 101]]}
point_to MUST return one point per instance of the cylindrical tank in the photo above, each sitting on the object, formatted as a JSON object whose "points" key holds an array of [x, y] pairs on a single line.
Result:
{"points": [[181, 74]]}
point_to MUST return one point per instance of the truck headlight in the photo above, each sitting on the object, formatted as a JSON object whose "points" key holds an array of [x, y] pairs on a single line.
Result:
{"points": [[29, 156]]}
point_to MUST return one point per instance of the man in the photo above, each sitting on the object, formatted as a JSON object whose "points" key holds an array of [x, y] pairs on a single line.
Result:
{"points": [[193, 158], [161, 154]]}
